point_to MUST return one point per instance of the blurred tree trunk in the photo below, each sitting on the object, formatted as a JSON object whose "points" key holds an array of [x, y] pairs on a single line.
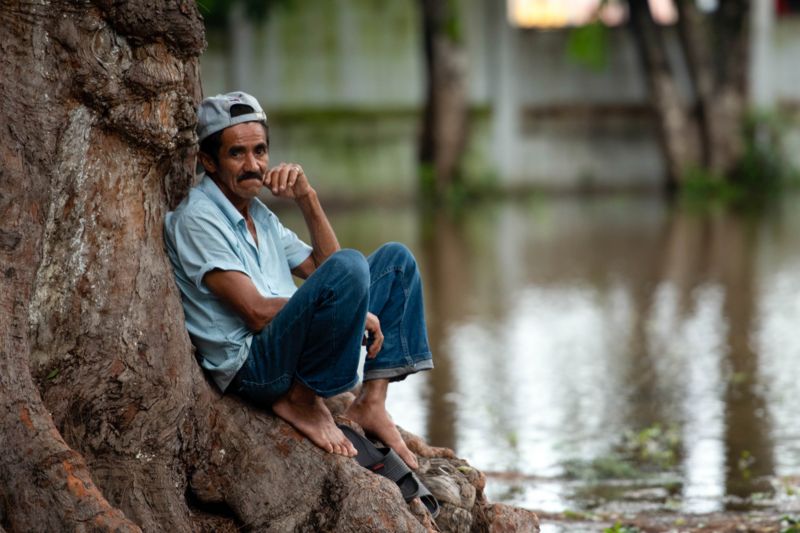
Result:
{"points": [[677, 131], [708, 134], [444, 125], [719, 76], [107, 422]]}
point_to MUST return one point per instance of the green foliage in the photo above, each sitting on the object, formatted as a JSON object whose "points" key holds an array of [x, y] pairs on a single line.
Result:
{"points": [[700, 186], [790, 524], [427, 180], [738, 379], [453, 27], [653, 446], [588, 45], [454, 197], [788, 488], [215, 12], [513, 439], [569, 514], [746, 460], [638, 452], [610, 467], [762, 173], [53, 374], [619, 528], [764, 168]]}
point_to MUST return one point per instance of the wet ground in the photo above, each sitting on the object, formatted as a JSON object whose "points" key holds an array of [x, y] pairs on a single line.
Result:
{"points": [[610, 360]]}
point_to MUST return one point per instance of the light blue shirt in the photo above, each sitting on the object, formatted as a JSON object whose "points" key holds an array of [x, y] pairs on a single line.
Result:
{"points": [[205, 233]]}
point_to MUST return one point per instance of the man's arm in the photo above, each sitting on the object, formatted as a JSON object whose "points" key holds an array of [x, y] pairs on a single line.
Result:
{"points": [[238, 291], [288, 180], [323, 238]]}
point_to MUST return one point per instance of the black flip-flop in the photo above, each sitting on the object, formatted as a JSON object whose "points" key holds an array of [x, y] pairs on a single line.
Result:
{"points": [[386, 462]]}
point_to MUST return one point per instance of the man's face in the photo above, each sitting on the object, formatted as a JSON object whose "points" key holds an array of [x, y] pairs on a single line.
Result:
{"points": [[242, 162]]}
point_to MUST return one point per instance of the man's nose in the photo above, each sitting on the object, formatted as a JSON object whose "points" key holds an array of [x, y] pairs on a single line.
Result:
{"points": [[250, 162]]}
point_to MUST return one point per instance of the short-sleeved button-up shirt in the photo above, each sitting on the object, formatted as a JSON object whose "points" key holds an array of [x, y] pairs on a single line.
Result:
{"points": [[205, 233]]}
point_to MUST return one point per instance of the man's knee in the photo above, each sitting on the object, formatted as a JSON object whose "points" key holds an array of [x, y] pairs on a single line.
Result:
{"points": [[351, 263], [397, 254]]}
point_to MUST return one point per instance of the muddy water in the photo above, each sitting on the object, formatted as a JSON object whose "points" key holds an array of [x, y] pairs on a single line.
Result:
{"points": [[602, 354]]}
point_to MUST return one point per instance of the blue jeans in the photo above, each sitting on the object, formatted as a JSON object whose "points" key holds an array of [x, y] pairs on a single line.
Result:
{"points": [[316, 338]]}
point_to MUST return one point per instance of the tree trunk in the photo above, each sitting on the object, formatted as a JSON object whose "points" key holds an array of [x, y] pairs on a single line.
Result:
{"points": [[106, 421], [444, 125], [696, 46], [678, 133], [719, 79], [716, 53], [727, 143]]}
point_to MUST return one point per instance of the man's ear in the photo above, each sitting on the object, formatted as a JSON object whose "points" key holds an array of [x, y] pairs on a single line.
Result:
{"points": [[208, 162]]}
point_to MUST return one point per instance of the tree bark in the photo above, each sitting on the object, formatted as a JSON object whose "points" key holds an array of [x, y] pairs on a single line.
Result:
{"points": [[97, 115], [444, 124], [106, 421], [719, 79], [727, 143], [716, 52], [678, 133]]}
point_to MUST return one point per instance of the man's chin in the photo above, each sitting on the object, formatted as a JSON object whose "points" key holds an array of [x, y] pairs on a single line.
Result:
{"points": [[249, 188]]}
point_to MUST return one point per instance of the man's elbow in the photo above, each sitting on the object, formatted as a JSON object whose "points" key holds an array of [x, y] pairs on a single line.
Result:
{"points": [[256, 324], [255, 320]]}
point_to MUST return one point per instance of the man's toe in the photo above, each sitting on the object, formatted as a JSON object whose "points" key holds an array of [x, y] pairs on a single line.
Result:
{"points": [[346, 446], [351, 450], [335, 448], [411, 461]]}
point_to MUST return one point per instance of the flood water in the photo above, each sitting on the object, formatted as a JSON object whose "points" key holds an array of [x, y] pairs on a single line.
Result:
{"points": [[598, 350]]}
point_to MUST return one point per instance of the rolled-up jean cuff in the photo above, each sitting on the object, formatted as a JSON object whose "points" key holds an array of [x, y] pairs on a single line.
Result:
{"points": [[398, 373], [327, 393]]}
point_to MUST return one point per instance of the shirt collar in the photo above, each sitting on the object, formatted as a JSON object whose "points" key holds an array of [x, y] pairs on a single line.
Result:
{"points": [[212, 190]]}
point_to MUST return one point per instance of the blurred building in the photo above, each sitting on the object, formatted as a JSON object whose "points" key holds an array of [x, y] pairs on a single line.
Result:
{"points": [[342, 81]]}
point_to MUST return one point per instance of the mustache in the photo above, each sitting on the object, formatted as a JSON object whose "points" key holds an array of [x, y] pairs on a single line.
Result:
{"points": [[250, 176]]}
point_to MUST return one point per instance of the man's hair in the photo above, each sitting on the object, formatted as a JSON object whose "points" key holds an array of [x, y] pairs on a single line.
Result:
{"points": [[212, 144]]}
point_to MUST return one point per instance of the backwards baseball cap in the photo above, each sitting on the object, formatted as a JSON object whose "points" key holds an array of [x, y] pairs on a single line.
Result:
{"points": [[214, 113]]}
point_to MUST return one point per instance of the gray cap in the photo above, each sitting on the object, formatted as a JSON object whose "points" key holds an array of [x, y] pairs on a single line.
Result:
{"points": [[214, 113]]}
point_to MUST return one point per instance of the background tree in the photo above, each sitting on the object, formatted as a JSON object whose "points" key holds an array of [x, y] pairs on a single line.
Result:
{"points": [[706, 133], [444, 120], [106, 421]]}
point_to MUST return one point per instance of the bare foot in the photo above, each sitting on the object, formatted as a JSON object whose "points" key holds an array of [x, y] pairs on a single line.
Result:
{"points": [[368, 410], [307, 413]]}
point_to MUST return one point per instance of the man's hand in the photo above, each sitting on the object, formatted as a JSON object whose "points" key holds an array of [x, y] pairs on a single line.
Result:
{"points": [[374, 335], [287, 180]]}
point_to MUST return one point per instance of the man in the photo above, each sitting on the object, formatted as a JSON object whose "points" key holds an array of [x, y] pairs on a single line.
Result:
{"points": [[255, 332]]}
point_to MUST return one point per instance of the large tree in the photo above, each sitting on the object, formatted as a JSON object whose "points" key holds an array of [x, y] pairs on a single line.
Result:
{"points": [[106, 421]]}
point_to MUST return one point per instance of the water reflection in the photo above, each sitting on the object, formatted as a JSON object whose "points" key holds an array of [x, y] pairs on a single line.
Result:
{"points": [[559, 325]]}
